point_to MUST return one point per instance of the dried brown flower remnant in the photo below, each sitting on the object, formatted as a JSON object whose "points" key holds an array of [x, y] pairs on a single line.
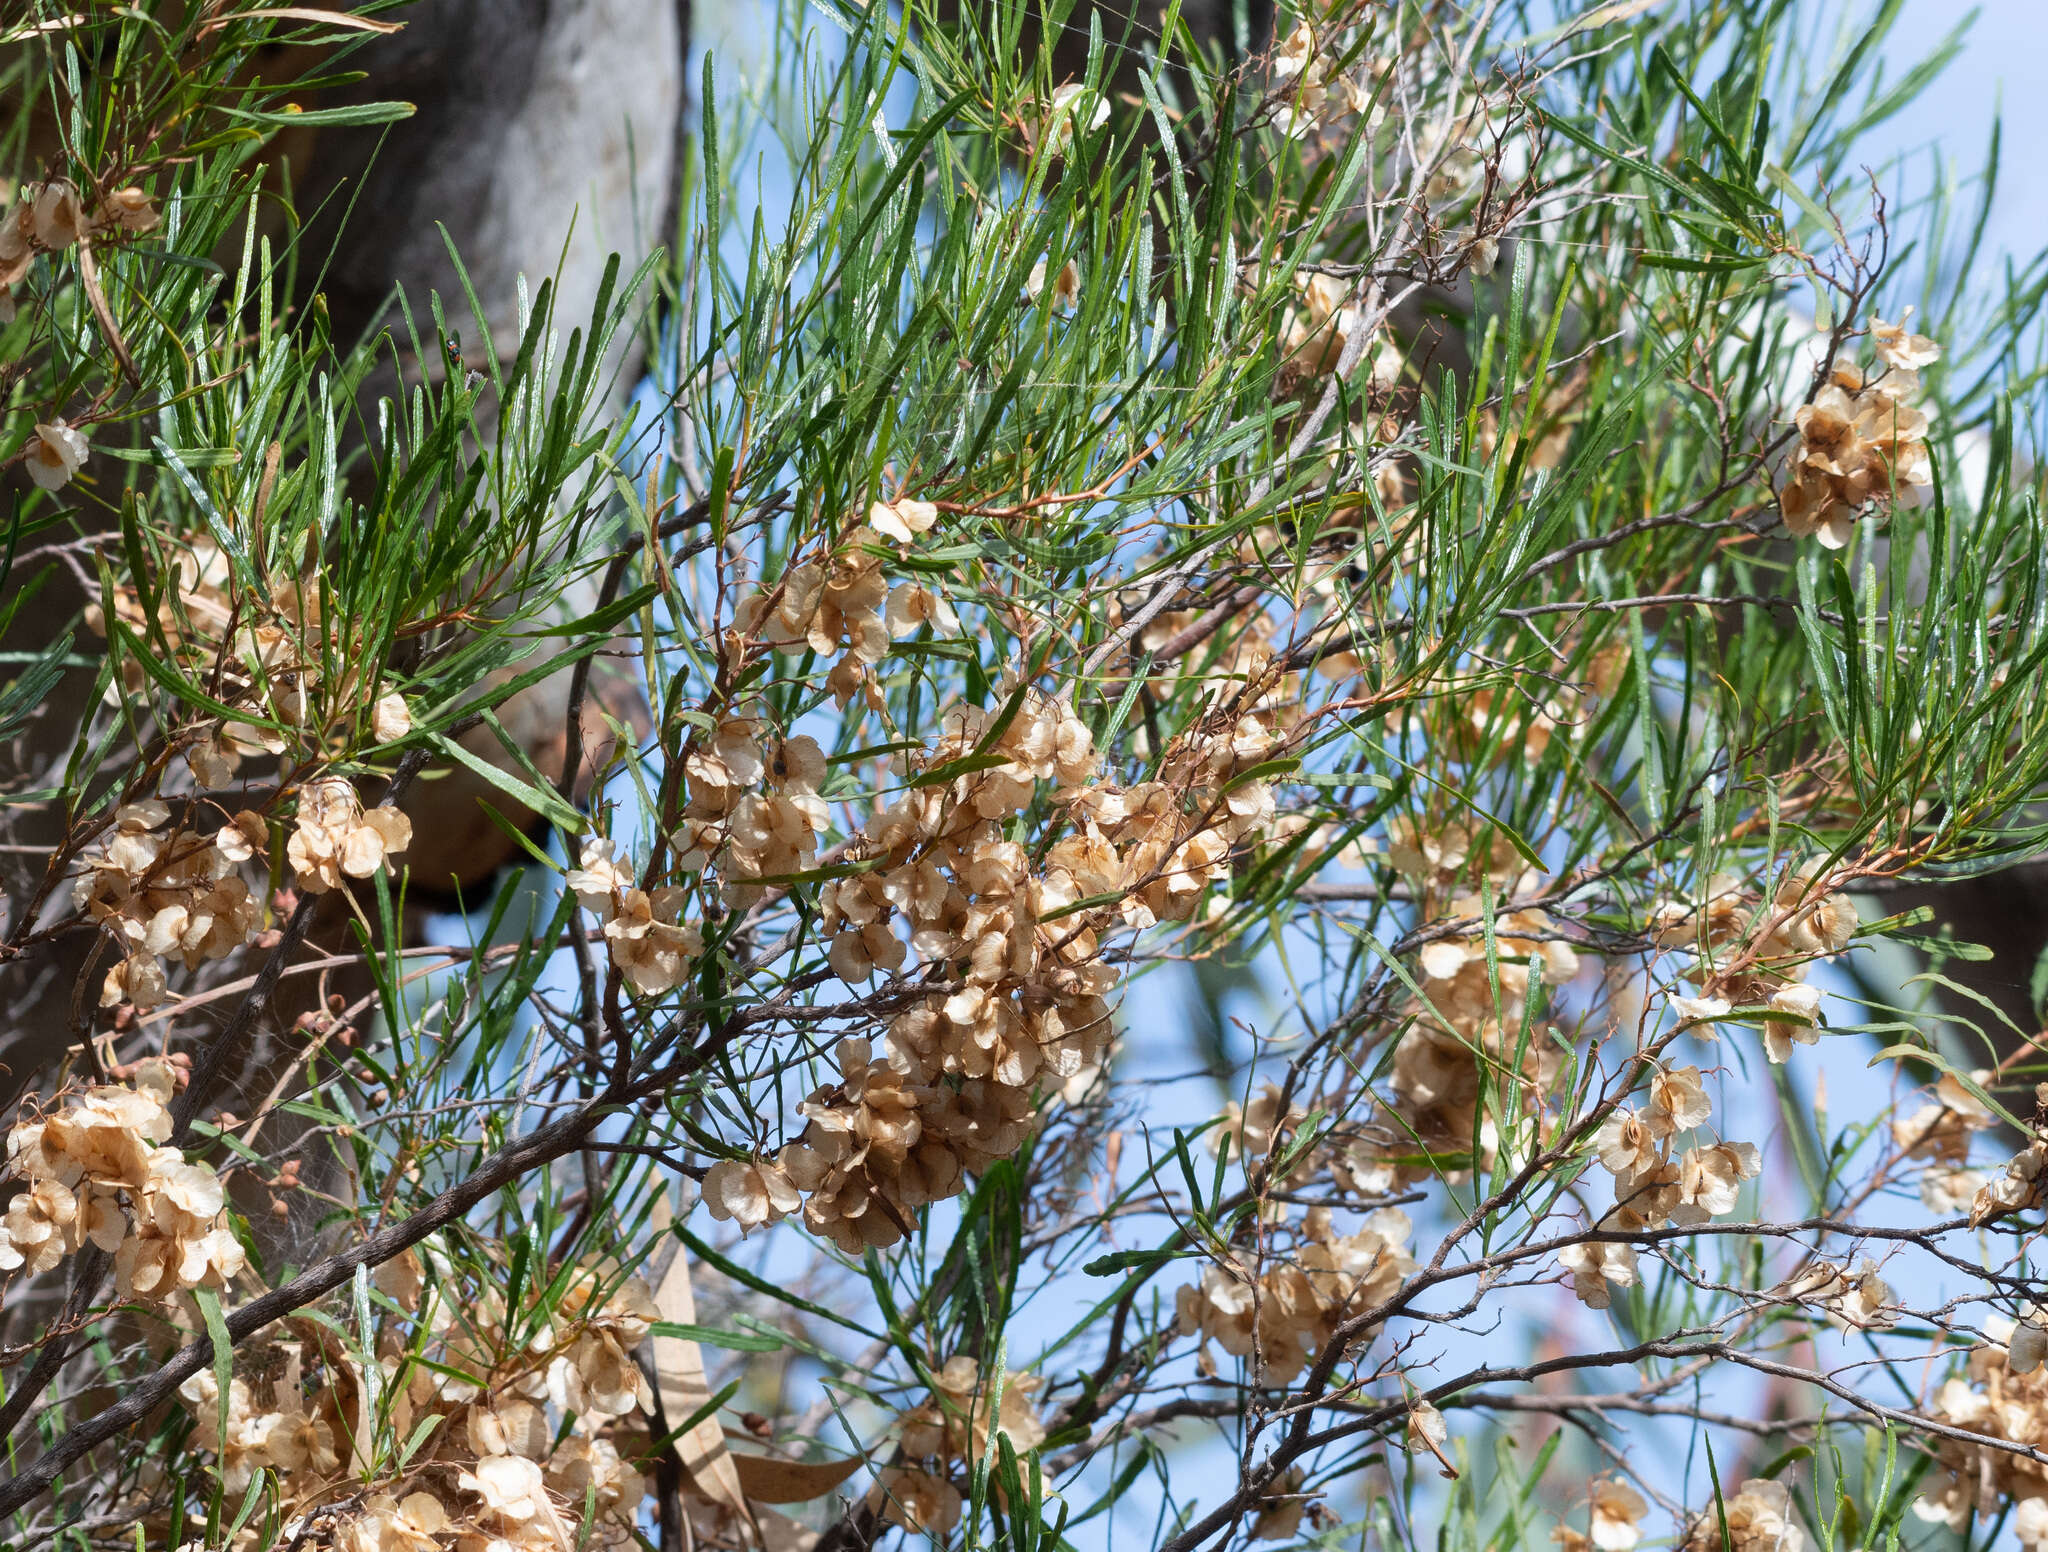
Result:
{"points": [[129, 210], [1291, 1311], [824, 604], [390, 719], [414, 1523], [1309, 91], [521, 1422], [1250, 1131], [750, 1192], [918, 1500], [2028, 1344], [212, 761], [649, 942], [1428, 1433], [58, 220], [1593, 1266], [1296, 53], [1690, 1011], [1711, 920], [1650, 1185], [48, 218], [1617, 1514], [516, 1507], [1860, 442], [1857, 1299], [1701, 1185], [1820, 922], [1766, 948], [1441, 856], [957, 1420], [166, 893], [1941, 1132], [17, 243], [1709, 1179], [99, 1169], [1314, 334], [1281, 1507], [56, 452], [181, 1240], [955, 1092], [283, 1436], [336, 839], [1760, 1518], [193, 611], [1897, 348], [1072, 108], [1464, 1039], [1678, 1101], [1065, 285], [584, 1470], [1780, 1035], [952, 1429], [912, 604], [260, 649], [1803, 920], [956, 1089], [2020, 1186], [597, 880], [1626, 1142], [902, 519], [865, 1162], [45, 218], [1946, 1191], [499, 1481], [2001, 1399]]}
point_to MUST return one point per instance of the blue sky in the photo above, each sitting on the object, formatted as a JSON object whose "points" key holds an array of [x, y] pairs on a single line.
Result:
{"points": [[1998, 73]]}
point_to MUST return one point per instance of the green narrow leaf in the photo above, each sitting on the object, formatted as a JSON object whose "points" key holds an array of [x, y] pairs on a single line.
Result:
{"points": [[223, 1352]]}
